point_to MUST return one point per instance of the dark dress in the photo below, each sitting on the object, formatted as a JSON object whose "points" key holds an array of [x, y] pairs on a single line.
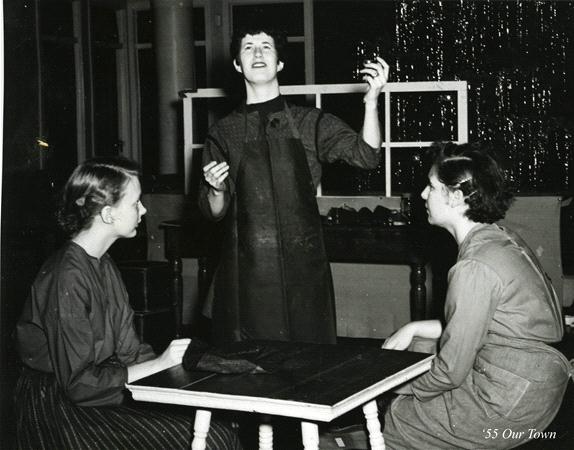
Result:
{"points": [[274, 279], [76, 340]]}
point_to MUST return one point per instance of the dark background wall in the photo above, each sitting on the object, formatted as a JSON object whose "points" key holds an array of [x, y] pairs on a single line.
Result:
{"points": [[517, 56], [21, 172]]}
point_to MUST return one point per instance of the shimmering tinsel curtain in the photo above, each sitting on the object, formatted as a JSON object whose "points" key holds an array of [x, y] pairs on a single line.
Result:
{"points": [[518, 57]]}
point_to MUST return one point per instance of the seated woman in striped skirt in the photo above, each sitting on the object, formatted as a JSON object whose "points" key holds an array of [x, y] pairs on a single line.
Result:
{"points": [[76, 338]]}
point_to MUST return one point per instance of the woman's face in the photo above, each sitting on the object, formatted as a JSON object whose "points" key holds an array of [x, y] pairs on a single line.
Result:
{"points": [[436, 197], [258, 61], [127, 213]]}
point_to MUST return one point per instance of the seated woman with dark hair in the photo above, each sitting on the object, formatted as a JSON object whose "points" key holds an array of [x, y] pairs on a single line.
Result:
{"points": [[495, 377], [76, 338]]}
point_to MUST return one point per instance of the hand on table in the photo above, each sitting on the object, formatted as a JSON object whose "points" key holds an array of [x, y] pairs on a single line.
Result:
{"points": [[429, 331], [173, 354], [400, 339]]}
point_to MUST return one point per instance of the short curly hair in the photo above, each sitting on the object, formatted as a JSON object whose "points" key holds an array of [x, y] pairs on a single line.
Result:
{"points": [[279, 39], [94, 184], [472, 170]]}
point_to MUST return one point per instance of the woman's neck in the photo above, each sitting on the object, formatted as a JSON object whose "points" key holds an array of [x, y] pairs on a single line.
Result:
{"points": [[95, 243], [462, 228], [259, 93]]}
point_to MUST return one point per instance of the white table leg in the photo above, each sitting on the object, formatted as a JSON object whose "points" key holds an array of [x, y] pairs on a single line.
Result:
{"points": [[200, 429], [265, 436], [374, 426], [310, 432]]}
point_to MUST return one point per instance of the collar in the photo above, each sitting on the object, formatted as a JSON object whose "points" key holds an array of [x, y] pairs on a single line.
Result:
{"points": [[268, 107]]}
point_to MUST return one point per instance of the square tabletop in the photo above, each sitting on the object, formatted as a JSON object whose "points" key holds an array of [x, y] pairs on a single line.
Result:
{"points": [[316, 382]]}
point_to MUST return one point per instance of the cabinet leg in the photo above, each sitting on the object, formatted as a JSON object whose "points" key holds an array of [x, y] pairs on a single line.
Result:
{"points": [[418, 292], [177, 294]]}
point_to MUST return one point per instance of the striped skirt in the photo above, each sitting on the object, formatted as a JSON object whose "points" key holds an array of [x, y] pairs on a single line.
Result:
{"points": [[46, 419]]}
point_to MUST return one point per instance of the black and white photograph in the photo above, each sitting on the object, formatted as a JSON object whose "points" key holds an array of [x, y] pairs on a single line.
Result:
{"points": [[287, 224]]}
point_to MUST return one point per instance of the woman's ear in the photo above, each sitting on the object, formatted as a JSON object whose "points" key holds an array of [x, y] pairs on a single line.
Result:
{"points": [[237, 66], [456, 198], [107, 215], [280, 66]]}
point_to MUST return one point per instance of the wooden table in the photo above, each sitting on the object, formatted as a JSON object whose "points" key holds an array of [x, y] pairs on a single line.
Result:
{"points": [[311, 382], [344, 243]]}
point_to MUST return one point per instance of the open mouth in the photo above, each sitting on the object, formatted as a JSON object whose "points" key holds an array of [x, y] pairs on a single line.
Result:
{"points": [[258, 65]]}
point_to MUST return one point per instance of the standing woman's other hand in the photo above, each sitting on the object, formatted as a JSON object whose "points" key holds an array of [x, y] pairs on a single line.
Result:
{"points": [[376, 75], [215, 174]]}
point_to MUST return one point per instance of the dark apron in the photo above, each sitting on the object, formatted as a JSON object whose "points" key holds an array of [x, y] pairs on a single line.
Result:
{"points": [[274, 280]]}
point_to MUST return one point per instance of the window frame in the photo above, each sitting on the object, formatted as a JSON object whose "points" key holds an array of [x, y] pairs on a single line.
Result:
{"points": [[318, 91]]}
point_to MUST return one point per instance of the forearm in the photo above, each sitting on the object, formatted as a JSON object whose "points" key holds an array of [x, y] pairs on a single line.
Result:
{"points": [[95, 385], [371, 127], [142, 370], [428, 329], [445, 374], [403, 337], [216, 200]]}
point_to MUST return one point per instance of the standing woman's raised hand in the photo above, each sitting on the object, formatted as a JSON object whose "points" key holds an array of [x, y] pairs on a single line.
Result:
{"points": [[376, 75]]}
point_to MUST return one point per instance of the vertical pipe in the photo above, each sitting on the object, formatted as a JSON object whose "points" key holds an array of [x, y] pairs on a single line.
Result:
{"points": [[174, 61]]}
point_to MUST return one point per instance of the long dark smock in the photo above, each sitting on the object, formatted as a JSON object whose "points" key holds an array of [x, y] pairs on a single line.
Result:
{"points": [[76, 340], [495, 381], [274, 279]]}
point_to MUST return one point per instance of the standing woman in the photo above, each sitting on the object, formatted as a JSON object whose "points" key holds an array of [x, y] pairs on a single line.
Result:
{"points": [[496, 376], [262, 165], [76, 338]]}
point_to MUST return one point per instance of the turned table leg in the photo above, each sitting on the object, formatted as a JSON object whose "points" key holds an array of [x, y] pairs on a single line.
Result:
{"points": [[374, 426], [177, 294], [310, 433], [200, 429], [265, 436]]}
